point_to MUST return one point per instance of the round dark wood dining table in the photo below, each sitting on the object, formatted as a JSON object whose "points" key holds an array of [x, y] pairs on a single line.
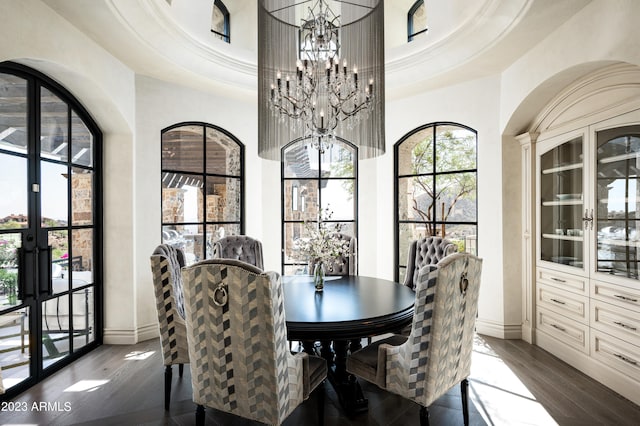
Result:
{"points": [[348, 309]]}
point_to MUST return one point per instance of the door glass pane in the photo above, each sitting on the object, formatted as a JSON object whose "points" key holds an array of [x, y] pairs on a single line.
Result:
{"points": [[561, 197], [181, 198], [60, 267], [415, 153], [300, 161], [13, 187], [456, 149], [463, 236], [54, 119], [13, 121], [415, 198], [182, 149], [293, 232], [223, 154], [337, 197], [81, 196], [55, 329], [54, 194], [223, 199], [456, 197], [215, 232], [83, 330], [81, 142], [191, 239], [15, 352], [300, 199], [339, 161], [618, 200], [9, 245], [82, 262]]}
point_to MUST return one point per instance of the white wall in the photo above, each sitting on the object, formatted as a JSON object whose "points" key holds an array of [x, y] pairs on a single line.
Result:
{"points": [[473, 104], [159, 105], [105, 87]]}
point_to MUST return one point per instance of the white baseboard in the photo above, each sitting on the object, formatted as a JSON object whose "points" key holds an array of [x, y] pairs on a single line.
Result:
{"points": [[499, 330], [130, 337]]}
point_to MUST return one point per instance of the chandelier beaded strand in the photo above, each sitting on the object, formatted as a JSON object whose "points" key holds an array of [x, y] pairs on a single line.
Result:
{"points": [[312, 93]]}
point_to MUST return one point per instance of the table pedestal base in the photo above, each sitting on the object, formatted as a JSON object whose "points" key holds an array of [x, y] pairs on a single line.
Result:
{"points": [[346, 385]]}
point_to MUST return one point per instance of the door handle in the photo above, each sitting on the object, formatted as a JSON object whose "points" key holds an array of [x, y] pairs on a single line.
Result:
{"points": [[25, 274], [44, 271], [588, 219]]}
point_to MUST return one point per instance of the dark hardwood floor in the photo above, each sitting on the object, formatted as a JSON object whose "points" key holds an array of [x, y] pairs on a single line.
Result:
{"points": [[511, 383]]}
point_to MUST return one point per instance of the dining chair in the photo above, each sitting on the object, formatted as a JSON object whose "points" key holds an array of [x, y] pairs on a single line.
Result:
{"points": [[166, 262], [237, 335], [426, 251], [437, 354], [239, 247]]}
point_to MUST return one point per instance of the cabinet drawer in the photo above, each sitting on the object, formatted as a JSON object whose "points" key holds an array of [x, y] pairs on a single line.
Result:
{"points": [[621, 296], [615, 353], [567, 331], [563, 302], [567, 282], [619, 322]]}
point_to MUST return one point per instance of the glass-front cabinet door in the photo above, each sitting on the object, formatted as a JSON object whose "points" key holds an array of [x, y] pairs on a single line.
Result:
{"points": [[563, 217], [617, 194]]}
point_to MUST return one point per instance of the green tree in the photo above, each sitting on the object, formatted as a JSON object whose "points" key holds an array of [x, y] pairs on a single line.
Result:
{"points": [[453, 153]]}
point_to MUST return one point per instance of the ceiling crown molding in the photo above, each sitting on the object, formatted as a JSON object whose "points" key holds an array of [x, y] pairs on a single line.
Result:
{"points": [[152, 24], [423, 60]]}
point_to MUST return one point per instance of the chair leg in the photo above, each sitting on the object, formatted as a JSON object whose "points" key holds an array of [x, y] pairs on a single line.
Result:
{"points": [[168, 373], [464, 390], [180, 369], [424, 416], [320, 401], [200, 415]]}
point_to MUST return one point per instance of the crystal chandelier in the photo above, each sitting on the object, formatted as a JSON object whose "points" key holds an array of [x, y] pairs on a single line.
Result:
{"points": [[322, 92], [320, 74]]}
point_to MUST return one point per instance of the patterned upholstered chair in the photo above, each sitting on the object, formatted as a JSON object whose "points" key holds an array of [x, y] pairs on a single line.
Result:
{"points": [[437, 354], [426, 251], [239, 247], [166, 262], [240, 359]]}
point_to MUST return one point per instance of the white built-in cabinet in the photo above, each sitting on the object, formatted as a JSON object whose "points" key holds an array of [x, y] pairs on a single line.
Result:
{"points": [[587, 249]]}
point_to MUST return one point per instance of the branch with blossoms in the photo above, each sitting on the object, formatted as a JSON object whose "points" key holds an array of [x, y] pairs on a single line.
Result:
{"points": [[322, 243]]}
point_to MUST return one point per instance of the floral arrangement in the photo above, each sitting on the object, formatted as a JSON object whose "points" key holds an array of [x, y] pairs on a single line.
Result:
{"points": [[321, 244]]}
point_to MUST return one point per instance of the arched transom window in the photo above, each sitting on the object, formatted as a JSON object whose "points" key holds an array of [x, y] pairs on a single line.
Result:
{"points": [[417, 20], [220, 21]]}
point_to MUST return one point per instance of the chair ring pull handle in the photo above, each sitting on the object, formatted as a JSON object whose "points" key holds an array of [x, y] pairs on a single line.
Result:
{"points": [[220, 296], [464, 283]]}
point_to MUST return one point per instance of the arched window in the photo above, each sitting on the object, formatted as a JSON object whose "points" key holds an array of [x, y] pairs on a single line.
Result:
{"points": [[314, 181], [416, 20], [202, 187], [436, 174], [220, 21]]}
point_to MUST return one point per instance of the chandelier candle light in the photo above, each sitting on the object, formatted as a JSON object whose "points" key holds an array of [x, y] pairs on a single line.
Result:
{"points": [[306, 88]]}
